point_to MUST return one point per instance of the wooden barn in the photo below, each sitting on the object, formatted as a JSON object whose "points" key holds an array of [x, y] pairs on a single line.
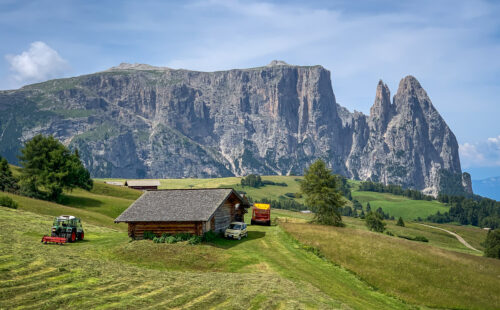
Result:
{"points": [[143, 184], [194, 211]]}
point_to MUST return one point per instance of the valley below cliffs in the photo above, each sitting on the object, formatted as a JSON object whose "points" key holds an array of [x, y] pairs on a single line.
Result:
{"points": [[140, 121]]}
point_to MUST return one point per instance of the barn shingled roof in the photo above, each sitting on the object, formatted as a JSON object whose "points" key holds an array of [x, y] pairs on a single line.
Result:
{"points": [[179, 205]]}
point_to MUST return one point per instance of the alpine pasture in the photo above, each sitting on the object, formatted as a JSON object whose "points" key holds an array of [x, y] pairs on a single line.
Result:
{"points": [[292, 264]]}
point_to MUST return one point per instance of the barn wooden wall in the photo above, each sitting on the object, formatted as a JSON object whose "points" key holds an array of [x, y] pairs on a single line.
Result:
{"points": [[136, 230], [223, 216]]}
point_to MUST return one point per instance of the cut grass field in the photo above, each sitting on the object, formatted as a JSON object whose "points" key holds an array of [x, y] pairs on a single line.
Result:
{"points": [[275, 271], [83, 276], [107, 271]]}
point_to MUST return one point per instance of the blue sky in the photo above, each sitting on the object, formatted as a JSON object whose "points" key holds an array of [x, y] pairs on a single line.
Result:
{"points": [[451, 47]]}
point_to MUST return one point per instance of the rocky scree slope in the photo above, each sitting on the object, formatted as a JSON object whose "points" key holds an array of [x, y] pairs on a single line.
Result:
{"points": [[136, 121]]}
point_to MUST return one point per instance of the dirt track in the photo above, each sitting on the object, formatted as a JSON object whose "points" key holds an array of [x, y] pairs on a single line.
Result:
{"points": [[456, 236]]}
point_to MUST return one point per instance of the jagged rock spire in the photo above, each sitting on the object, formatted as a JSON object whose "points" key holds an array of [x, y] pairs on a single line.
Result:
{"points": [[381, 111]]}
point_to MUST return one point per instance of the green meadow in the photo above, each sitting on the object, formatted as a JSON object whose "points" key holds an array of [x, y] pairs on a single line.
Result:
{"points": [[292, 265], [397, 206]]}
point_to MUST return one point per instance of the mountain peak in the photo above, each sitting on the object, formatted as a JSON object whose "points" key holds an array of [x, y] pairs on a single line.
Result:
{"points": [[409, 82], [381, 111], [136, 66], [277, 63]]}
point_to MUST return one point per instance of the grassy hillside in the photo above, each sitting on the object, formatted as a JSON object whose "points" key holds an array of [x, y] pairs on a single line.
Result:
{"points": [[275, 270], [398, 205], [416, 272], [107, 270], [394, 205], [82, 275], [269, 191]]}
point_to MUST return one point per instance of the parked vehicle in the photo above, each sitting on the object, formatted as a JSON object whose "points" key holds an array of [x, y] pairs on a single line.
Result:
{"points": [[261, 214], [236, 230], [68, 227]]}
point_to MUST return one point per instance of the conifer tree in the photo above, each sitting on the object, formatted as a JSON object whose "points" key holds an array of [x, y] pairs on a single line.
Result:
{"points": [[320, 188]]}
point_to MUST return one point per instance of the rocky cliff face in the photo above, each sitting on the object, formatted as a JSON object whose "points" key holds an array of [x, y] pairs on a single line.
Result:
{"points": [[143, 121]]}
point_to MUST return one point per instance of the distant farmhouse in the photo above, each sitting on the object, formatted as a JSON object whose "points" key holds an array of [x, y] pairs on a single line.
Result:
{"points": [[194, 211], [143, 184], [116, 183]]}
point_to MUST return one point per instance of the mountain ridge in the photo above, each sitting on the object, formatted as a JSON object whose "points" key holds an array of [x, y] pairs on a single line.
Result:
{"points": [[136, 120]]}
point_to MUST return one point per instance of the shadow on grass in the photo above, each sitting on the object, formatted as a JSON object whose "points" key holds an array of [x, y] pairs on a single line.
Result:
{"points": [[80, 202], [224, 243]]}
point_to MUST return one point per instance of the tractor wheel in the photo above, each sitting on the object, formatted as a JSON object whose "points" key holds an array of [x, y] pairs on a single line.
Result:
{"points": [[268, 223], [73, 237], [81, 236], [252, 222]]}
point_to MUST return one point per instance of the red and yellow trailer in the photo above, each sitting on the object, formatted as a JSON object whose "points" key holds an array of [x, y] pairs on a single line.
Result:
{"points": [[261, 214]]}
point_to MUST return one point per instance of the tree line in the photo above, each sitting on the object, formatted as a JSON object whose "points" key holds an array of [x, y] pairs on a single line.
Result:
{"points": [[255, 180], [477, 211], [48, 168], [370, 186], [284, 204]]}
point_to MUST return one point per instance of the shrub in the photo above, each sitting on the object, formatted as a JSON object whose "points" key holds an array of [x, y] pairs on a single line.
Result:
{"points": [[267, 182], [417, 238], [149, 235], [170, 240], [157, 239], [405, 237], [7, 202], [209, 236], [421, 239], [492, 244], [182, 237], [194, 240], [389, 233], [291, 195], [281, 184], [400, 222], [374, 222]]}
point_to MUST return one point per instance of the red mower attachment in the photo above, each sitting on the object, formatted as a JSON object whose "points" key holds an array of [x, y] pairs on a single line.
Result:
{"points": [[59, 240]]}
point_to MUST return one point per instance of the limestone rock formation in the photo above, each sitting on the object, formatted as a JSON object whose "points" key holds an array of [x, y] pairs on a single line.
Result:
{"points": [[136, 120]]}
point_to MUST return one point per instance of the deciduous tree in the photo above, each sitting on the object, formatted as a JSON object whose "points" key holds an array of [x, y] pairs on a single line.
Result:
{"points": [[49, 167]]}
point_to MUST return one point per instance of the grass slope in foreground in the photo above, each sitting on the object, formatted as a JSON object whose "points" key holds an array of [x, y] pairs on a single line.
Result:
{"points": [[416, 272], [267, 270]]}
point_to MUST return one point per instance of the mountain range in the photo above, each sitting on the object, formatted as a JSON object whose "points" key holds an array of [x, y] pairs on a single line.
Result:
{"points": [[140, 121], [489, 187]]}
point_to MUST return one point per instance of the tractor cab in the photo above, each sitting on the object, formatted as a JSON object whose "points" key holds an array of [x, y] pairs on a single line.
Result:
{"points": [[68, 227]]}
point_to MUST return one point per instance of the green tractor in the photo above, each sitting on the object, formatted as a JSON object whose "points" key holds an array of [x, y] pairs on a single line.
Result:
{"points": [[69, 227]]}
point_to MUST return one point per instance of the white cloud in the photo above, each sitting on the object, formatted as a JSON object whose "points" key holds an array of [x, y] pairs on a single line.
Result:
{"points": [[494, 140], [481, 154], [39, 63]]}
